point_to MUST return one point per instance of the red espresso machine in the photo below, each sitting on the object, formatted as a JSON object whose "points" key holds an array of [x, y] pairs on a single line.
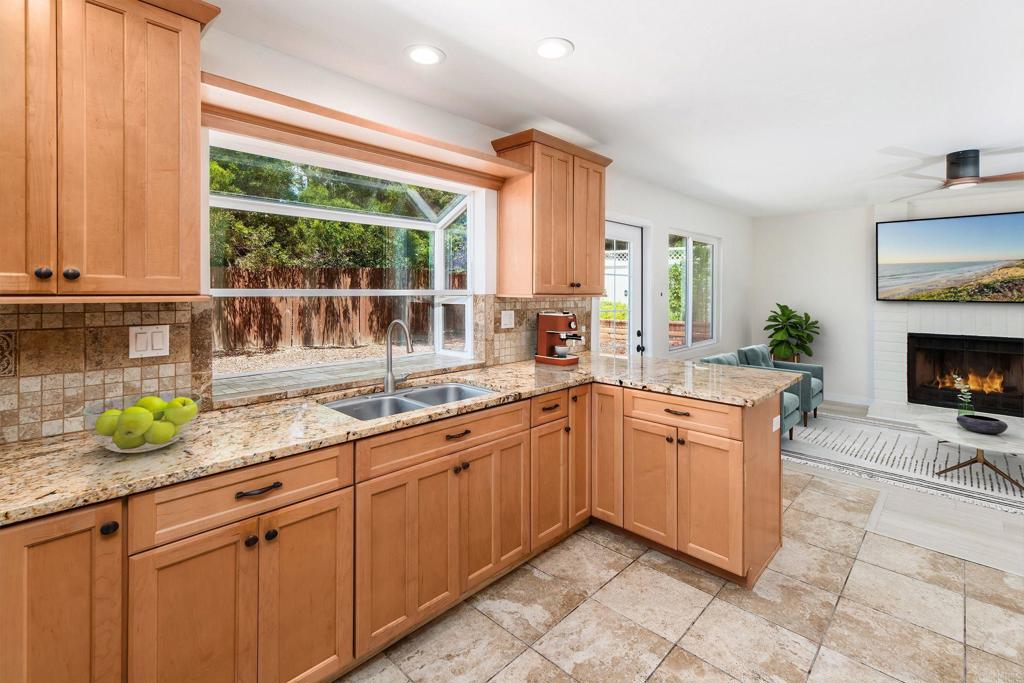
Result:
{"points": [[556, 329]]}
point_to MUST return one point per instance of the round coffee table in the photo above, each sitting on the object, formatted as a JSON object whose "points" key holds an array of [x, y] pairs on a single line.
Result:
{"points": [[948, 429]]}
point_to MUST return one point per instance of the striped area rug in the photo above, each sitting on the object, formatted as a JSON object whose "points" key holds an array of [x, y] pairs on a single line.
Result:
{"points": [[900, 454]]}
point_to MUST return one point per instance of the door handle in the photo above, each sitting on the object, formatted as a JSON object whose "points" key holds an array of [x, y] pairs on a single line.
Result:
{"points": [[72, 273], [43, 273], [109, 528], [640, 348]]}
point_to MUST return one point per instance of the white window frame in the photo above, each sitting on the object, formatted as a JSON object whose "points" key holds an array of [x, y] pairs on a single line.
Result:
{"points": [[440, 294], [716, 286]]}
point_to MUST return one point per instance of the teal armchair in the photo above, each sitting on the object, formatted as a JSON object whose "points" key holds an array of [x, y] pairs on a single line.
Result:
{"points": [[811, 389], [789, 411]]}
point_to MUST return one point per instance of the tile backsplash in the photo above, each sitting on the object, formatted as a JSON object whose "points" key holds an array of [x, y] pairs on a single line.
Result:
{"points": [[58, 360], [519, 343]]}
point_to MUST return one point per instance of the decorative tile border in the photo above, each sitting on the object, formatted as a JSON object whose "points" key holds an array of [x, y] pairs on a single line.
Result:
{"points": [[8, 354]]}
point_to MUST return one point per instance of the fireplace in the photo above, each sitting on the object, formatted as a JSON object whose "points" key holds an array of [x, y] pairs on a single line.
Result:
{"points": [[992, 366]]}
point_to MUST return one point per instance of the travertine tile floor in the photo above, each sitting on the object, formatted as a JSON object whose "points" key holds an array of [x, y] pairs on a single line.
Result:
{"points": [[837, 603]]}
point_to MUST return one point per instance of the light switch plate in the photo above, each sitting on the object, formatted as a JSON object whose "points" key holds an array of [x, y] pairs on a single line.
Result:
{"points": [[776, 423], [508, 320], [146, 341]]}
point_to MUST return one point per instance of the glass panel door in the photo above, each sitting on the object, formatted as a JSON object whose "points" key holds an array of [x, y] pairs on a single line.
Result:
{"points": [[619, 311]]}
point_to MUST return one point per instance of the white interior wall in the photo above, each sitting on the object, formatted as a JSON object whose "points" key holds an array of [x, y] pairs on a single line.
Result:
{"points": [[824, 263], [657, 208]]}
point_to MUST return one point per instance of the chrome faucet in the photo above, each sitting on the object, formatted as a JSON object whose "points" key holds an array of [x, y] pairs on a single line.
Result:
{"points": [[389, 376]]}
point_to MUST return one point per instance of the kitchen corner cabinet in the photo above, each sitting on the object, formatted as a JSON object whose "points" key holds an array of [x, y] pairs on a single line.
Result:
{"points": [[551, 221], [104, 195], [61, 587], [407, 549]]}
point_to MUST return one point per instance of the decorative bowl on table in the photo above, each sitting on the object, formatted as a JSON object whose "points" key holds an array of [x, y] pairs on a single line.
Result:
{"points": [[981, 424], [153, 422]]}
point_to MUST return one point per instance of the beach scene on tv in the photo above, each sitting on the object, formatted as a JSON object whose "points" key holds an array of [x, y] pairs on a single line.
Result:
{"points": [[971, 258]]}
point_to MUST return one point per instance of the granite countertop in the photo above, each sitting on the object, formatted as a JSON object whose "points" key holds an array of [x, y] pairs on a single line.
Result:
{"points": [[49, 475]]}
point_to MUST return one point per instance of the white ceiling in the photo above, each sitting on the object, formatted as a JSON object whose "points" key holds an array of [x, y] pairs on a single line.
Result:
{"points": [[763, 106]]}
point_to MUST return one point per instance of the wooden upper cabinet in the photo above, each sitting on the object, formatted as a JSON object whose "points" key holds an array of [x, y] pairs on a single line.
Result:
{"points": [[61, 587], [579, 454], [494, 508], [407, 550], [551, 221], [649, 480], [588, 226], [128, 144], [305, 616], [28, 147], [549, 464], [606, 445], [711, 500]]}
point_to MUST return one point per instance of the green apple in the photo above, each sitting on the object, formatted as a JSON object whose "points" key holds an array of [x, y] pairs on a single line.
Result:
{"points": [[127, 441], [106, 423], [181, 410], [153, 404], [134, 421], [162, 431]]}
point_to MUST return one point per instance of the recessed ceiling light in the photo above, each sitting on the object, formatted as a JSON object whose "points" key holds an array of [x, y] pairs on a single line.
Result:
{"points": [[425, 54], [554, 48]]}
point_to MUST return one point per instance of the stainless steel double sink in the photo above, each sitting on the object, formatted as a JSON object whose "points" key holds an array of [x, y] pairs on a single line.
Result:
{"points": [[372, 406]]}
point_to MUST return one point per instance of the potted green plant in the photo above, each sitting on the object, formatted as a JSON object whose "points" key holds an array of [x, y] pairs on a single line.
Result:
{"points": [[790, 333]]}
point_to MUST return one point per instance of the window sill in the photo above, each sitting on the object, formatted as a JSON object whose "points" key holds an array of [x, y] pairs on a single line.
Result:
{"points": [[274, 385]]}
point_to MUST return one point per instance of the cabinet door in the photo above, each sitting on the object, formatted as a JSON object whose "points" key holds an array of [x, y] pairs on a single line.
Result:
{"points": [[407, 550], [549, 464], [61, 586], [306, 589], [606, 478], [192, 608], [28, 146], [588, 226], [494, 507], [711, 500], [579, 454], [129, 149], [552, 221], [649, 480]]}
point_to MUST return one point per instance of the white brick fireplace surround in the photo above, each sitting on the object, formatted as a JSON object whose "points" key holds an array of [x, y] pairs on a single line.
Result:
{"points": [[893, 320]]}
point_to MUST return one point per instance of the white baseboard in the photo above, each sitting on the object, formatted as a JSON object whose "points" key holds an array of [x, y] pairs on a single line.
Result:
{"points": [[852, 399]]}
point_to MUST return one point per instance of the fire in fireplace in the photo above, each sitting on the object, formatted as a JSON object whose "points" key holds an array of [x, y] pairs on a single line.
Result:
{"points": [[993, 367]]}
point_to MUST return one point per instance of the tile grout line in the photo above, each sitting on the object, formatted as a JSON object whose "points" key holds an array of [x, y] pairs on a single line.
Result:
{"points": [[676, 644]]}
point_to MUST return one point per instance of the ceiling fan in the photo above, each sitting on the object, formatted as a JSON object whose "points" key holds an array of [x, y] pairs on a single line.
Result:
{"points": [[963, 169]]}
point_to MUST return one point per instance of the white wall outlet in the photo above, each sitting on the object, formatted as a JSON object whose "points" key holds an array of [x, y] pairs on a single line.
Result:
{"points": [[508, 320], [776, 423], [149, 340]]}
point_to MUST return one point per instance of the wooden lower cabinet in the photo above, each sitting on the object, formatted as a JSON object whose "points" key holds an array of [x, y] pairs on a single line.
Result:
{"points": [[649, 480], [549, 464], [579, 454], [193, 608], [305, 593], [61, 587], [711, 500], [606, 447], [494, 508], [407, 550]]}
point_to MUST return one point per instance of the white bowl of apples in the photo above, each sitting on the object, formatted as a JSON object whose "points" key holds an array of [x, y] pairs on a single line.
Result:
{"points": [[153, 422]]}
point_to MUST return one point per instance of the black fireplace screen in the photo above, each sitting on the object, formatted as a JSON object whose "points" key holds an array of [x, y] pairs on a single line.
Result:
{"points": [[992, 366]]}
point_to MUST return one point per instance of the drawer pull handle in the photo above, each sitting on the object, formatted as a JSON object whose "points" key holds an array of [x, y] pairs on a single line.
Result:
{"points": [[681, 413], [459, 435], [553, 406], [258, 492], [251, 541], [270, 535], [109, 528]]}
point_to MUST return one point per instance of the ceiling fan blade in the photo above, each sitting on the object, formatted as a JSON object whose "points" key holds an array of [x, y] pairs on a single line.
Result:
{"points": [[1002, 178], [909, 196], [992, 151], [905, 152], [919, 176]]}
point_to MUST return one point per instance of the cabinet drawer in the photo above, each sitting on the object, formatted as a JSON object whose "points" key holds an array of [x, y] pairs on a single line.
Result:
{"points": [[174, 512], [686, 413], [549, 407], [390, 452]]}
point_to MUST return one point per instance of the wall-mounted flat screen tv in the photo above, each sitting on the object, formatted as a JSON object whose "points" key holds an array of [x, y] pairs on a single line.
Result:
{"points": [[960, 258]]}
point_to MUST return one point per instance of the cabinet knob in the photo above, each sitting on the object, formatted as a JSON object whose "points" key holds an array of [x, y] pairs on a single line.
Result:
{"points": [[681, 442], [270, 535], [251, 541], [575, 399], [457, 469], [669, 439], [72, 274], [43, 273], [109, 528], [465, 465], [568, 429]]}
